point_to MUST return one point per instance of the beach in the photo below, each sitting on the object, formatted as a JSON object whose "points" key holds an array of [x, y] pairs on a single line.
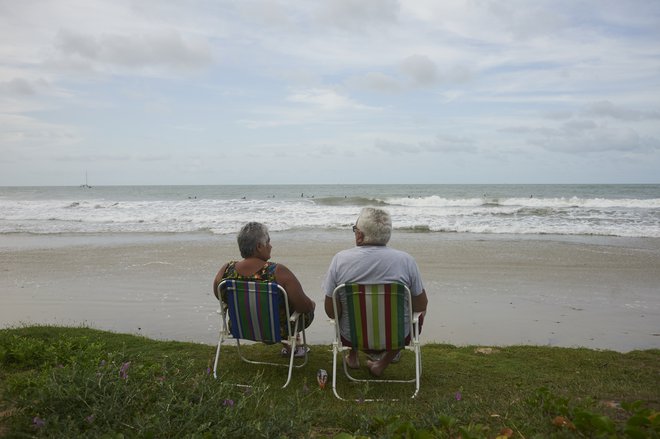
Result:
{"points": [[484, 289]]}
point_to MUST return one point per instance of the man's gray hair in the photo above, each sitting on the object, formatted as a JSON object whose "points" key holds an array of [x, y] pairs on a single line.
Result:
{"points": [[250, 235], [376, 225]]}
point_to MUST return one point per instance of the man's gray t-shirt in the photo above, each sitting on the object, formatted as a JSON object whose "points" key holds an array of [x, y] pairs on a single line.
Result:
{"points": [[371, 264]]}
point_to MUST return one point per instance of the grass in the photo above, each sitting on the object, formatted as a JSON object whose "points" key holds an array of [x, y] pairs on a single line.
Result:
{"points": [[81, 382]]}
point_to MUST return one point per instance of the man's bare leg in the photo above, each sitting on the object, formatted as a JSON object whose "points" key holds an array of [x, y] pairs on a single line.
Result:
{"points": [[352, 359]]}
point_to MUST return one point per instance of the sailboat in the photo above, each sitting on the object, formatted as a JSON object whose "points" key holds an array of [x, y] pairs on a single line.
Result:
{"points": [[85, 186]]}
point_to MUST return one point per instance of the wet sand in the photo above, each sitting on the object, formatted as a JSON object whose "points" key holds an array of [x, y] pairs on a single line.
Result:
{"points": [[484, 290]]}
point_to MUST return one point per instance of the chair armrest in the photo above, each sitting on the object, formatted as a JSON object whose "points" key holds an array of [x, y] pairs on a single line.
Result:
{"points": [[416, 317]]}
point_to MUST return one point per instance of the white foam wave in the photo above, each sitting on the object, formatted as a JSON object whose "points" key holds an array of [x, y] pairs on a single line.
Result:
{"points": [[560, 202], [571, 216]]}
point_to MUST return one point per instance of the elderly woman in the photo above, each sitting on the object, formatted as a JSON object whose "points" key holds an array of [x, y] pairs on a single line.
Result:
{"points": [[255, 248]]}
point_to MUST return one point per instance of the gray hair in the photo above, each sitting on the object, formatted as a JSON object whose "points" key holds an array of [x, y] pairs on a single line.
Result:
{"points": [[376, 225], [250, 235]]}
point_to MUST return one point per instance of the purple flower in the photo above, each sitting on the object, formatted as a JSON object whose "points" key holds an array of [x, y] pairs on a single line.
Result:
{"points": [[208, 371], [38, 422], [90, 418], [123, 371], [458, 396], [228, 402]]}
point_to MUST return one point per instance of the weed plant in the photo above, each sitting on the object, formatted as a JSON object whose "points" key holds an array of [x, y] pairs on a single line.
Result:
{"points": [[80, 382]]}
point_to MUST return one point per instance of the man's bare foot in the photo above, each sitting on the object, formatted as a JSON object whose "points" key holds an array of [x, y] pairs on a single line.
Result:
{"points": [[352, 360], [377, 367]]}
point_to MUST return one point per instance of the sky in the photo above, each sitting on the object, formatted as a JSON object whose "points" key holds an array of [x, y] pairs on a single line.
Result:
{"points": [[163, 92]]}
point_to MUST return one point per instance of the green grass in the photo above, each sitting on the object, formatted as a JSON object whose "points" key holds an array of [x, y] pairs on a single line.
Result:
{"points": [[80, 382]]}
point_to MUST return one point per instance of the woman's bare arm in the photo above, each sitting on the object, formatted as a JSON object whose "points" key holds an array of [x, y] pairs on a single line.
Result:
{"points": [[218, 279], [329, 309], [298, 300]]}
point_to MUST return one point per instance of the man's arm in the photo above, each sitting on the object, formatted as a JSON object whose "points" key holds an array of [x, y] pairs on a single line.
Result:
{"points": [[419, 302]]}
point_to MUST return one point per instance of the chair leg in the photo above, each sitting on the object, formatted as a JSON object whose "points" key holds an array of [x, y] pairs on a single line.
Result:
{"points": [[217, 357], [238, 351], [335, 354], [418, 368], [292, 353]]}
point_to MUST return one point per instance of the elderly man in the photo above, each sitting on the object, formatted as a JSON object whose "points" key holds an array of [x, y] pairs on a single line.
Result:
{"points": [[372, 262]]}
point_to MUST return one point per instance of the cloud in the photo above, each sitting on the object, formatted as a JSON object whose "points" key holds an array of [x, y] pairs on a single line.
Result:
{"points": [[445, 143], [325, 99], [101, 157], [585, 136], [551, 78], [523, 23], [420, 70], [608, 109], [578, 126], [396, 147], [18, 87], [358, 15], [21, 132], [439, 144], [155, 50], [155, 157], [601, 139], [376, 81]]}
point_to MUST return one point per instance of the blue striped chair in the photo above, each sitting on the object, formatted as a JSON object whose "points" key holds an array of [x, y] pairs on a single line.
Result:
{"points": [[251, 310], [380, 318]]}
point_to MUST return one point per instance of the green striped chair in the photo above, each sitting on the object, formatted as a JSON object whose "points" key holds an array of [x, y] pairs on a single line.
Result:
{"points": [[379, 318], [250, 310]]}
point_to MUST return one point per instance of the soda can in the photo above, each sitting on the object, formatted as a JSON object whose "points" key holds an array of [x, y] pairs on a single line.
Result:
{"points": [[322, 378]]}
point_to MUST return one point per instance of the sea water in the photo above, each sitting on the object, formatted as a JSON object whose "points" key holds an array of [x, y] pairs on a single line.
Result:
{"points": [[604, 210]]}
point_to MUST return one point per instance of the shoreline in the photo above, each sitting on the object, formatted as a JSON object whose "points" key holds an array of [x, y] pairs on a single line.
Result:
{"points": [[490, 290]]}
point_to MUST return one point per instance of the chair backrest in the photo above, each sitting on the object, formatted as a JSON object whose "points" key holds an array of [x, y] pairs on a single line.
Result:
{"points": [[377, 314], [254, 309]]}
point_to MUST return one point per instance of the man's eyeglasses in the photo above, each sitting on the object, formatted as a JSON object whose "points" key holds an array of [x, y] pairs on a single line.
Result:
{"points": [[355, 229]]}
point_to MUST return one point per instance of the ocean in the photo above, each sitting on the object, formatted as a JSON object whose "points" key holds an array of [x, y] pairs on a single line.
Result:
{"points": [[601, 210]]}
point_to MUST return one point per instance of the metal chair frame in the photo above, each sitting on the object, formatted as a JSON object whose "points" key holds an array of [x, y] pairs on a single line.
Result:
{"points": [[339, 348], [294, 319]]}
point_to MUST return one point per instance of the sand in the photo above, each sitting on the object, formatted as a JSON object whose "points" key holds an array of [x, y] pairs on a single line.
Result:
{"points": [[485, 290]]}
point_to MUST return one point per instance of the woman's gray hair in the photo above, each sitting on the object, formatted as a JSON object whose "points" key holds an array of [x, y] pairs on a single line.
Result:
{"points": [[250, 235], [376, 226]]}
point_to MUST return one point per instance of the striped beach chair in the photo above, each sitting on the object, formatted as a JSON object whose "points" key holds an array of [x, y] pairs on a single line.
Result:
{"points": [[250, 310], [379, 318]]}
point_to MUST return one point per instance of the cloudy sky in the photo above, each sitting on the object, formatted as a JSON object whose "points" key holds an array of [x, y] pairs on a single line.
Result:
{"points": [[329, 91]]}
